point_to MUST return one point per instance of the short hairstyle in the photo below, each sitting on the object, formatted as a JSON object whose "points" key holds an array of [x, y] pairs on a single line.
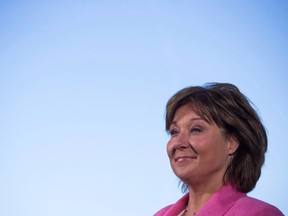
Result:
{"points": [[224, 105]]}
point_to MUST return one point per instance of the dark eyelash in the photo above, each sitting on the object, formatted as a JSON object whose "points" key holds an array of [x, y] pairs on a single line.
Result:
{"points": [[172, 132], [196, 129]]}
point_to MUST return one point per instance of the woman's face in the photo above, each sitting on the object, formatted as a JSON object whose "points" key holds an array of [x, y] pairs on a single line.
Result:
{"points": [[198, 151]]}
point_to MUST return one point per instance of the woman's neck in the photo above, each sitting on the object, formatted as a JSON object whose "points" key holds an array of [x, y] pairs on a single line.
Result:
{"points": [[200, 194]]}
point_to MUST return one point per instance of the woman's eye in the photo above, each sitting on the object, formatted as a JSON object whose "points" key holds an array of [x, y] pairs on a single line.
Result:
{"points": [[173, 132], [196, 129]]}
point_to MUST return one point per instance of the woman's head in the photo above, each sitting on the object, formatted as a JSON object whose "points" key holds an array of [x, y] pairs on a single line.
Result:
{"points": [[223, 105]]}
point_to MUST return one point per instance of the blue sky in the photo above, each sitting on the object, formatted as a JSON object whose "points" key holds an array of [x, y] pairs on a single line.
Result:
{"points": [[83, 88]]}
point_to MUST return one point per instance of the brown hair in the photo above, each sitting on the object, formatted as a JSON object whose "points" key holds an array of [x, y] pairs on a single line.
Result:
{"points": [[224, 105]]}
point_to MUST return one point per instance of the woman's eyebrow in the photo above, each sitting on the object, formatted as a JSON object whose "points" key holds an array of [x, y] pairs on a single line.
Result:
{"points": [[191, 120], [195, 119]]}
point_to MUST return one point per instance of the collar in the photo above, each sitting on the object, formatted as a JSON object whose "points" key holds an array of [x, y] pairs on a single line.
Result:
{"points": [[217, 205], [221, 201]]}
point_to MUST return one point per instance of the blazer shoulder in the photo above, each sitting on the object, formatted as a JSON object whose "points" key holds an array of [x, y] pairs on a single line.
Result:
{"points": [[162, 211], [257, 207]]}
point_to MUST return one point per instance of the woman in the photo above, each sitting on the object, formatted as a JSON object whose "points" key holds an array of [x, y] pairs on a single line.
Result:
{"points": [[216, 149]]}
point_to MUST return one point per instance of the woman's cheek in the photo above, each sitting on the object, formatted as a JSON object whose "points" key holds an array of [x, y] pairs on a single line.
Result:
{"points": [[169, 148]]}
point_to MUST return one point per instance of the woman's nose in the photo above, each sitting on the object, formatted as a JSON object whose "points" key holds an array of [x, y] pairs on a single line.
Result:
{"points": [[181, 141]]}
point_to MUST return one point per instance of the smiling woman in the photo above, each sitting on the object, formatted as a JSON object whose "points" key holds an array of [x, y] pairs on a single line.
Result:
{"points": [[199, 152], [217, 148]]}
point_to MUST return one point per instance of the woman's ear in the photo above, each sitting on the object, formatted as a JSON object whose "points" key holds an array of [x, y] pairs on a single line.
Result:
{"points": [[233, 145]]}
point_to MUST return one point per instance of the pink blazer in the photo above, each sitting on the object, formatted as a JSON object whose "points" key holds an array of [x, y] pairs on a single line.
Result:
{"points": [[226, 202]]}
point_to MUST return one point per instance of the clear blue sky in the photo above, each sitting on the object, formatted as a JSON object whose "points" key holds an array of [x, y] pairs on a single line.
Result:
{"points": [[83, 88]]}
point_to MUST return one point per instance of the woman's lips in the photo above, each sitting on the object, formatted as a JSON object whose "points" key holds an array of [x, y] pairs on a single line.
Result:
{"points": [[183, 158]]}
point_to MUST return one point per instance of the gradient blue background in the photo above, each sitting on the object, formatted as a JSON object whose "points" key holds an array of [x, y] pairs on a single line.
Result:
{"points": [[83, 88]]}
